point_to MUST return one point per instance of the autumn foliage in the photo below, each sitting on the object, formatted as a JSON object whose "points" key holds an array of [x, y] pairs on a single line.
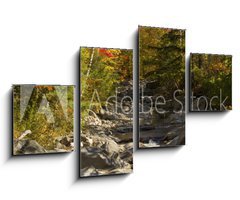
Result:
{"points": [[103, 70], [48, 112], [209, 74]]}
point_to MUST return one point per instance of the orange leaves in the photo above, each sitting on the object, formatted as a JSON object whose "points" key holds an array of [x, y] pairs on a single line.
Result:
{"points": [[105, 52], [49, 88]]}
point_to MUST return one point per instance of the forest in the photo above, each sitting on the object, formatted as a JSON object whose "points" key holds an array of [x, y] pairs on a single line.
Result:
{"points": [[162, 77], [162, 56], [211, 82], [43, 119], [106, 111]]}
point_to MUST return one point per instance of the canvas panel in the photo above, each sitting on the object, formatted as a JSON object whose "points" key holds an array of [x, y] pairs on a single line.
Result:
{"points": [[210, 82], [161, 87], [106, 111], [42, 119]]}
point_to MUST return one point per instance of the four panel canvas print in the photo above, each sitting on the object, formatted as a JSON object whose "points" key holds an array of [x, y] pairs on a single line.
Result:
{"points": [[210, 82], [106, 97], [161, 87], [42, 119], [43, 115]]}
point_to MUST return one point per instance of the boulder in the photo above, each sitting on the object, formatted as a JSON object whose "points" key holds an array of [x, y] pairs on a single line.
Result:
{"points": [[28, 146]]}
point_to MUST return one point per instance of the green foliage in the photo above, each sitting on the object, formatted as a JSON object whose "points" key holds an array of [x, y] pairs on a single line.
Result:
{"points": [[209, 74], [102, 71], [162, 57], [43, 131]]}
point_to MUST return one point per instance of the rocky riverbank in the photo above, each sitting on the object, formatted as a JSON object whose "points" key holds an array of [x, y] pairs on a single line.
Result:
{"points": [[25, 145], [107, 140], [161, 117]]}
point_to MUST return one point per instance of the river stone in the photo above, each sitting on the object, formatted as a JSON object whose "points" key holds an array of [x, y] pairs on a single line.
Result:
{"points": [[92, 121], [28, 146], [95, 160]]}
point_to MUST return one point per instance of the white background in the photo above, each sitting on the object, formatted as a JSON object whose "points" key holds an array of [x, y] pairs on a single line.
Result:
{"points": [[39, 43]]}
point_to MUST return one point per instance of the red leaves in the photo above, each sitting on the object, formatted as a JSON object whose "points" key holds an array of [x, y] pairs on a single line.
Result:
{"points": [[105, 52]]}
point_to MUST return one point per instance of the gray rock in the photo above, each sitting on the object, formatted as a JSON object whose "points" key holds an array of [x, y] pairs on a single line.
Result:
{"points": [[27, 146]]}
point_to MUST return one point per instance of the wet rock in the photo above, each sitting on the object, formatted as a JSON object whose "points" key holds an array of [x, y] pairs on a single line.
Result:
{"points": [[176, 136], [127, 153], [173, 142], [111, 147], [64, 143], [105, 147], [89, 171], [124, 129], [94, 159], [27, 146], [23, 145]]}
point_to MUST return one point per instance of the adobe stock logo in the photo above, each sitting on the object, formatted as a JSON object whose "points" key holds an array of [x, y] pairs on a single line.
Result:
{"points": [[113, 103], [204, 103], [38, 100], [160, 104], [147, 104]]}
